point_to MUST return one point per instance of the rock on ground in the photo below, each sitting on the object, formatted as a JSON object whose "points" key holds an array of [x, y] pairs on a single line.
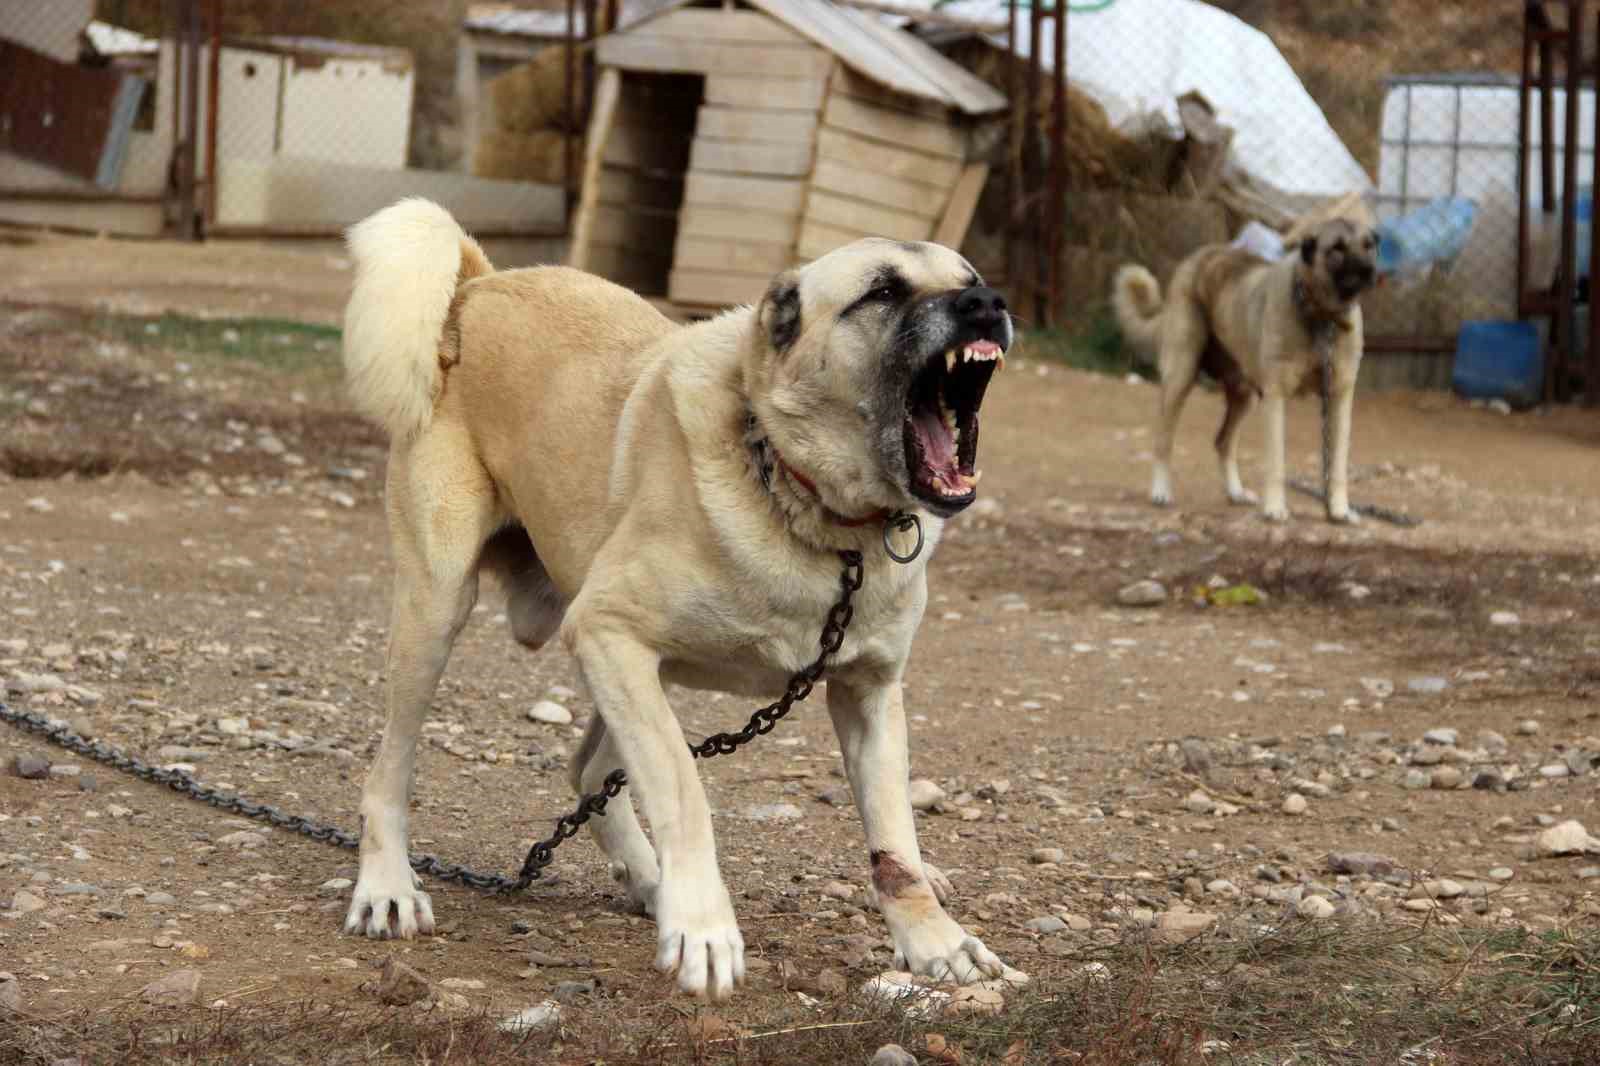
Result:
{"points": [[550, 713], [538, 1016], [31, 767], [1177, 926], [400, 985], [892, 1055], [1358, 863], [1568, 838], [1143, 594], [178, 989], [925, 795], [1315, 908]]}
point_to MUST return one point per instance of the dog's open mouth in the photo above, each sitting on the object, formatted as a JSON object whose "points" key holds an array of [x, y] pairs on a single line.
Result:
{"points": [[941, 424]]}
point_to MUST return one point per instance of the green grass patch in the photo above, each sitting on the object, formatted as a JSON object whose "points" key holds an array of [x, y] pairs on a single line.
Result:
{"points": [[275, 344], [1096, 345]]}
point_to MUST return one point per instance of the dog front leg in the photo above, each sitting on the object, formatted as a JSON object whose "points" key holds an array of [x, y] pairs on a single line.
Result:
{"points": [[697, 935], [871, 725], [1274, 502], [1340, 410]]}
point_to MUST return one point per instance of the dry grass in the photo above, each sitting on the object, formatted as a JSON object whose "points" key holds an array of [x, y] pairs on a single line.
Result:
{"points": [[1290, 992]]}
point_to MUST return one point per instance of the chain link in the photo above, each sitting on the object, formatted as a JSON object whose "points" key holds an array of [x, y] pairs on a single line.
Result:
{"points": [[540, 855], [1371, 510]]}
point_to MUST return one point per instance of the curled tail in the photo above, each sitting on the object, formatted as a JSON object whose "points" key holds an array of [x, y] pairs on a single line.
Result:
{"points": [[1136, 298], [410, 258]]}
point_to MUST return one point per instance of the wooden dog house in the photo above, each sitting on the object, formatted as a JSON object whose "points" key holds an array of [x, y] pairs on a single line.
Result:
{"points": [[728, 143]]}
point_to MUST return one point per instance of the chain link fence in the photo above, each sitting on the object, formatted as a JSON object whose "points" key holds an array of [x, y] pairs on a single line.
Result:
{"points": [[1193, 123], [1186, 123]]}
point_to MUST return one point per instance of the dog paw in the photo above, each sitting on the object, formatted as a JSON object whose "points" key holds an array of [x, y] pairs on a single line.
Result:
{"points": [[1243, 498], [641, 892], [942, 950], [701, 941], [389, 905], [940, 884], [1276, 514], [1161, 497], [1346, 517]]}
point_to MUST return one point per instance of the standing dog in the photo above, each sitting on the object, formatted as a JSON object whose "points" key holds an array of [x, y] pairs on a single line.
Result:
{"points": [[671, 500], [1260, 328]]}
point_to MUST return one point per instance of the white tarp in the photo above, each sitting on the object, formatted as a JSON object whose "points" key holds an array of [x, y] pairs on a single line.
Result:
{"points": [[1136, 57]]}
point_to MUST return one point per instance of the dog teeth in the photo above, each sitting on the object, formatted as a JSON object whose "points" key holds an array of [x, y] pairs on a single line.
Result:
{"points": [[950, 361], [975, 477], [970, 353]]}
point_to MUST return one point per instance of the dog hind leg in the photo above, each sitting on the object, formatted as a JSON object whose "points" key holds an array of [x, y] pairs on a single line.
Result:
{"points": [[436, 585], [1180, 362], [617, 832], [1240, 396]]}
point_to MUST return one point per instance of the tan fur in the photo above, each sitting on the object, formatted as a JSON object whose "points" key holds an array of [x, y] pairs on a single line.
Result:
{"points": [[409, 260], [1234, 315], [593, 455]]}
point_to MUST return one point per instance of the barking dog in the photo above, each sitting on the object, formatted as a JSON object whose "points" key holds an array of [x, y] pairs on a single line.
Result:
{"points": [[671, 501]]}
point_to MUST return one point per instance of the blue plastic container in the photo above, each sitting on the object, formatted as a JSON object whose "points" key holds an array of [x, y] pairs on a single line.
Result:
{"points": [[1499, 360], [1437, 230]]}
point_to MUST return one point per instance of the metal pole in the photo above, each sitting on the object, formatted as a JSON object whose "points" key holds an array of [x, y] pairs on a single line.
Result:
{"points": [[1547, 123], [1591, 377], [1056, 185], [188, 154], [1014, 184], [1567, 326], [213, 77], [569, 146], [1523, 108], [1031, 204]]}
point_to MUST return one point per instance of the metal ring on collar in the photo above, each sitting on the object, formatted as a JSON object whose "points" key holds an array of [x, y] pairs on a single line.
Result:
{"points": [[899, 522]]}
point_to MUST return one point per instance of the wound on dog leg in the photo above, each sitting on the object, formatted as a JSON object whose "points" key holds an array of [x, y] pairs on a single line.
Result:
{"points": [[890, 876]]}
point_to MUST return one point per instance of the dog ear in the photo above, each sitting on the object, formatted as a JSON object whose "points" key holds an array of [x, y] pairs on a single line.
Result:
{"points": [[780, 311], [1308, 250]]}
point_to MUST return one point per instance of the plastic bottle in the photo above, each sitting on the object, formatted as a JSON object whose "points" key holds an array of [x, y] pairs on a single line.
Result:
{"points": [[1437, 230]]}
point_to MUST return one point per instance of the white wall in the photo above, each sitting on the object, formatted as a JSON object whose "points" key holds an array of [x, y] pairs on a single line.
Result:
{"points": [[355, 111]]}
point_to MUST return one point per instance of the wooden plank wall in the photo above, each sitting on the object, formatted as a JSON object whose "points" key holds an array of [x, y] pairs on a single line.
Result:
{"points": [[754, 142], [886, 166], [638, 188]]}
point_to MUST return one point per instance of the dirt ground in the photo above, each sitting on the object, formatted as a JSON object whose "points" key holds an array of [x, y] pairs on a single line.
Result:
{"points": [[191, 533]]}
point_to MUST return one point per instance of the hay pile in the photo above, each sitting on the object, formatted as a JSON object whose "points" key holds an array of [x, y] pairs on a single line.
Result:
{"points": [[529, 121]]}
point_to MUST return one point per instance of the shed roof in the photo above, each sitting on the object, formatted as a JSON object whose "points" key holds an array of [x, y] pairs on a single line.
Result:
{"points": [[512, 21], [865, 42]]}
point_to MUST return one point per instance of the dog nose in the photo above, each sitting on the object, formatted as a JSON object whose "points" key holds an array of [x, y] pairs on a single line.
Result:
{"points": [[980, 304]]}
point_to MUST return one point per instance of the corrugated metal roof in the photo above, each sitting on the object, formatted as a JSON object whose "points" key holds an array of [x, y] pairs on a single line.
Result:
{"points": [[109, 40], [892, 58], [530, 22], [867, 43]]}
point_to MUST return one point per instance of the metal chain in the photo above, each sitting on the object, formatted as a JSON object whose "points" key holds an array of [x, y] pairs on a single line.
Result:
{"points": [[540, 855], [1370, 510]]}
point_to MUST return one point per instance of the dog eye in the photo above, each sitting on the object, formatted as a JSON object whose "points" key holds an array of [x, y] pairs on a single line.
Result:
{"points": [[884, 294]]}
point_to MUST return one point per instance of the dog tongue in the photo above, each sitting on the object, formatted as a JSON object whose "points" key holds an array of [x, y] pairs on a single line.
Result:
{"points": [[938, 446]]}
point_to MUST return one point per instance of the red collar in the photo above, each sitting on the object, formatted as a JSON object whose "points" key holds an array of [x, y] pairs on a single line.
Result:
{"points": [[879, 516]]}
